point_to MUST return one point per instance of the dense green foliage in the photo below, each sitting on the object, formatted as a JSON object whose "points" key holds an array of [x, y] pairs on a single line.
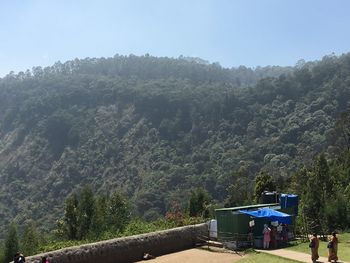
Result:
{"points": [[155, 129], [324, 185], [239, 192], [33, 242], [30, 240], [70, 224], [199, 203], [90, 216], [325, 196], [263, 182], [11, 243]]}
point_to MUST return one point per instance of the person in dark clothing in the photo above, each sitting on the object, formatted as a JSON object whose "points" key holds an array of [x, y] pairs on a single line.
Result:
{"points": [[273, 235], [314, 244], [333, 248], [19, 258]]}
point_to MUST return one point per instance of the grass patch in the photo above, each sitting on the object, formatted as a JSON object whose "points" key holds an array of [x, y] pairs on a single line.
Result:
{"points": [[343, 247], [262, 257]]}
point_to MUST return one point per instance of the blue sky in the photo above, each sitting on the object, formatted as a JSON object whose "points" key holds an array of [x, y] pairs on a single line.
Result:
{"points": [[231, 32]]}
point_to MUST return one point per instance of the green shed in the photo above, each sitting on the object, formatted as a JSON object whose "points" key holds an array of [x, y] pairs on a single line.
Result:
{"points": [[232, 224]]}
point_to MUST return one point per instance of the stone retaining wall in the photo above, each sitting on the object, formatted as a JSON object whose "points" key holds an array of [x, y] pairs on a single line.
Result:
{"points": [[128, 249]]}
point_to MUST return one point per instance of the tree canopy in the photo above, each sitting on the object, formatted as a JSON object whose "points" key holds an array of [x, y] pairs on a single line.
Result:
{"points": [[156, 129]]}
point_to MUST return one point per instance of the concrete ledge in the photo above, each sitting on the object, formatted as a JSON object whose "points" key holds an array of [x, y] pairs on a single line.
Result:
{"points": [[128, 249]]}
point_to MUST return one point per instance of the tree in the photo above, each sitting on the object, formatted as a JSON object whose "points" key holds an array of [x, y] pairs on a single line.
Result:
{"points": [[30, 239], [11, 242], [85, 212], [263, 182], [71, 215], [57, 131], [323, 178], [99, 219], [2, 256], [337, 212], [342, 131], [174, 214], [312, 205], [198, 204], [298, 184], [118, 212], [239, 192], [316, 202]]}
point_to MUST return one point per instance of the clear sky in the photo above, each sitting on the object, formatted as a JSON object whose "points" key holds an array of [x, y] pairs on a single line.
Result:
{"points": [[231, 32]]}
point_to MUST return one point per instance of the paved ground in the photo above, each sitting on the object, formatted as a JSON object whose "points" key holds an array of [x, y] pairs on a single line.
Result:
{"points": [[217, 255], [197, 255], [298, 256]]}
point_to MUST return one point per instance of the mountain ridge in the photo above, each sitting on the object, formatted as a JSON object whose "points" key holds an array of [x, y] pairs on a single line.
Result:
{"points": [[156, 128]]}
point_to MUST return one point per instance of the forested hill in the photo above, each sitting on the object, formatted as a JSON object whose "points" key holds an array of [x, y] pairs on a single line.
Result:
{"points": [[156, 128]]}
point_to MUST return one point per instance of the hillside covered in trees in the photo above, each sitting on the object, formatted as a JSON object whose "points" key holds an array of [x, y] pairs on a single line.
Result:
{"points": [[155, 129]]}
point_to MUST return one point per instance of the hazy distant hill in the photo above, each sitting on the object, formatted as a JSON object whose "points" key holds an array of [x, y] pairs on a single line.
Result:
{"points": [[155, 128]]}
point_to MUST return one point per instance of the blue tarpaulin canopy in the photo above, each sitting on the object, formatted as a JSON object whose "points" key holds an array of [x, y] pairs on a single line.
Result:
{"points": [[270, 214]]}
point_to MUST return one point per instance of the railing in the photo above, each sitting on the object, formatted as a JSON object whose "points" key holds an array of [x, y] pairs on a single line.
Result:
{"points": [[236, 241]]}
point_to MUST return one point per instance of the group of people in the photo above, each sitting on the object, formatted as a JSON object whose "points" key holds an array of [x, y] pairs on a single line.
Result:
{"points": [[332, 246], [273, 235], [19, 258]]}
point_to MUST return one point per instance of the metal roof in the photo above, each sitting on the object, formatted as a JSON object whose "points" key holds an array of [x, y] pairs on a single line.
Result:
{"points": [[274, 205]]}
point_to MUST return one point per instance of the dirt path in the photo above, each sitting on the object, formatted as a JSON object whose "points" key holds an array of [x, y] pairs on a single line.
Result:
{"points": [[196, 255], [298, 256]]}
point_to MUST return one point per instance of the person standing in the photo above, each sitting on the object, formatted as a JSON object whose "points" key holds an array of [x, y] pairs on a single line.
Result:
{"points": [[285, 233], [273, 237], [267, 237], [314, 244], [333, 248], [250, 236]]}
